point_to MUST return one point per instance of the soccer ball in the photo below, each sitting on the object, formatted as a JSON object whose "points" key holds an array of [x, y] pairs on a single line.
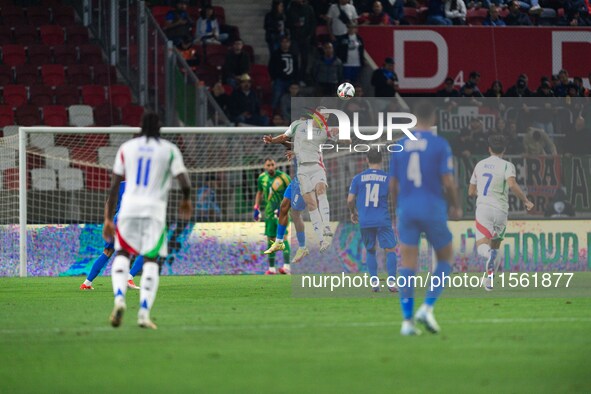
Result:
{"points": [[346, 91]]}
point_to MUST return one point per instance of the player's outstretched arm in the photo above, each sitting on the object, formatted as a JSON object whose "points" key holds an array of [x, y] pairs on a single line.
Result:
{"points": [[451, 194], [519, 193], [111, 204], [185, 206], [280, 139]]}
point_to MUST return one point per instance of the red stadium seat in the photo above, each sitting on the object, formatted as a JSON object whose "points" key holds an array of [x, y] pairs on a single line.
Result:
{"points": [[119, 95], [40, 95], [220, 14], [76, 35], [53, 74], [249, 50], [52, 35], [91, 54], [6, 75], [107, 115], [215, 55], [13, 55], [26, 35], [55, 116], [79, 74], [95, 141], [38, 15], [67, 95], [261, 79], [26, 74], [104, 74], [65, 54], [93, 95], [132, 115], [411, 15], [194, 12], [82, 154], [39, 54], [63, 15], [15, 95], [5, 35], [13, 15], [11, 179], [28, 115], [159, 13], [208, 74], [6, 115], [476, 16], [97, 178]]}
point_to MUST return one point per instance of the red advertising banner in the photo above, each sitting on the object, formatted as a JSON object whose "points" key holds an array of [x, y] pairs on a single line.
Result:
{"points": [[426, 55]]}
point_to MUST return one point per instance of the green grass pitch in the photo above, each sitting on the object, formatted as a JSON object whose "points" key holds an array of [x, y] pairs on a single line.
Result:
{"points": [[247, 334]]}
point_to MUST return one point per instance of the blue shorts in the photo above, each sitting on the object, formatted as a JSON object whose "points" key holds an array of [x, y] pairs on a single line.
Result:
{"points": [[294, 194], [436, 230], [385, 236]]}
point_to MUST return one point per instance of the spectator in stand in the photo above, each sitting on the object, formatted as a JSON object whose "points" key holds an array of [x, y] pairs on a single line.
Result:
{"points": [[455, 10], [301, 22], [496, 90], [395, 8], [479, 136], [341, 14], [474, 79], [493, 18], [448, 89], [321, 10], [286, 103], [384, 80], [377, 16], [328, 72], [470, 90], [513, 142], [520, 88], [436, 13], [237, 63], [177, 25], [578, 82], [572, 18], [516, 17], [545, 89], [207, 30], [583, 6], [278, 121], [275, 26], [537, 143], [350, 50], [283, 68], [561, 87], [500, 126], [464, 146], [245, 106], [219, 94]]}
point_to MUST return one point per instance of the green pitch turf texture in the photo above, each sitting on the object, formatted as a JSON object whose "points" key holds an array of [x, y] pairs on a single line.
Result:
{"points": [[246, 334]]}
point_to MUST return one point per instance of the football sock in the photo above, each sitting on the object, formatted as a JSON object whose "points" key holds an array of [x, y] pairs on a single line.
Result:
{"points": [[490, 264], [272, 255], [316, 223], [97, 266], [287, 252], [407, 290], [281, 232], [324, 209], [372, 264], [148, 288], [391, 264], [442, 270], [301, 239], [119, 273], [136, 267]]}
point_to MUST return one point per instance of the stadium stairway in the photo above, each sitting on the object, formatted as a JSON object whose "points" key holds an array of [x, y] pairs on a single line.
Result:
{"points": [[249, 16]]}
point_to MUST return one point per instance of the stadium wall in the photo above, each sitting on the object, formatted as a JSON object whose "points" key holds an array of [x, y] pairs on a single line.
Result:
{"points": [[236, 248]]}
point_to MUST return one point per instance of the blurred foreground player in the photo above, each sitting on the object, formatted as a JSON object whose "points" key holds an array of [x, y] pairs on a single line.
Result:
{"points": [[149, 163]]}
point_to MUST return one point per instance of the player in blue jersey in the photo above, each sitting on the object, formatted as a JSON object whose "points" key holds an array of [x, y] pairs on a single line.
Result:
{"points": [[422, 181], [103, 259], [368, 204]]}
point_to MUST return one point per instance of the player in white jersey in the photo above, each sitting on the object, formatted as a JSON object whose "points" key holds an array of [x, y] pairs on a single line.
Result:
{"points": [[311, 173], [148, 163], [490, 183]]}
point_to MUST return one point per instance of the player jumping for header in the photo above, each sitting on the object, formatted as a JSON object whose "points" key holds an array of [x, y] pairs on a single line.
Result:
{"points": [[489, 183]]}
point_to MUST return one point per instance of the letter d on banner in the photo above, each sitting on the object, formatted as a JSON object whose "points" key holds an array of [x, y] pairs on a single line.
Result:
{"points": [[403, 36]]}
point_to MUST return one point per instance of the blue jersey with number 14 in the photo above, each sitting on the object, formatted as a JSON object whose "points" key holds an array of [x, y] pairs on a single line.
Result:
{"points": [[371, 190], [418, 169]]}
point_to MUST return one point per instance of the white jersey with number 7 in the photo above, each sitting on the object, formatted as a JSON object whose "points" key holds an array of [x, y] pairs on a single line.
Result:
{"points": [[490, 177]]}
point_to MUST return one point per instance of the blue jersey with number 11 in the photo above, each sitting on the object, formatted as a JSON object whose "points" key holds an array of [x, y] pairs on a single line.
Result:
{"points": [[371, 190], [418, 169]]}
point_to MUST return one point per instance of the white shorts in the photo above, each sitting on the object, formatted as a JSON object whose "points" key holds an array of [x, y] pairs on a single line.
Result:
{"points": [[309, 175], [141, 237], [491, 222]]}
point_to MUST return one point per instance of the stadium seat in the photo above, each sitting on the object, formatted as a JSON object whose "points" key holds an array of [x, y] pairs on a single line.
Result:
{"points": [[220, 14], [475, 17], [411, 15], [28, 115], [5, 35], [95, 141], [132, 115], [26, 35], [67, 95], [118, 139], [41, 140], [6, 116], [159, 13], [106, 155], [65, 54], [83, 155], [40, 95], [70, 141], [26, 74], [91, 54], [104, 74], [44, 179], [249, 50], [39, 54], [7, 158], [11, 179], [93, 95], [79, 74], [13, 55], [63, 15], [208, 74], [15, 95], [119, 95], [97, 178], [70, 179], [38, 15], [53, 74], [6, 75], [80, 115], [55, 116], [215, 55], [13, 15], [10, 130], [52, 35], [261, 79], [107, 115], [76, 35], [57, 157]]}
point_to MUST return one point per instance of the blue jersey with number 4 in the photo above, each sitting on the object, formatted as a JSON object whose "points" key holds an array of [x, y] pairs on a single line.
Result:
{"points": [[371, 190], [418, 169]]}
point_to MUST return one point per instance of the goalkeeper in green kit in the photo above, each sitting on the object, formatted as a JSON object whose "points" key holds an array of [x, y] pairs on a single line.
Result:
{"points": [[271, 186]]}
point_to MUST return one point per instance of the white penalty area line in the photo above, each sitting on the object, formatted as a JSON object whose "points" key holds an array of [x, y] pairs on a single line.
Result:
{"points": [[106, 328]]}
